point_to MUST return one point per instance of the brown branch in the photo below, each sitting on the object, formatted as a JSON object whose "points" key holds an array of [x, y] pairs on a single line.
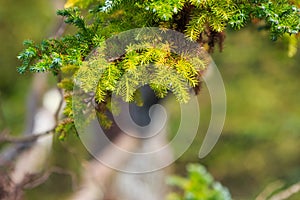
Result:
{"points": [[33, 181], [9, 190], [6, 138]]}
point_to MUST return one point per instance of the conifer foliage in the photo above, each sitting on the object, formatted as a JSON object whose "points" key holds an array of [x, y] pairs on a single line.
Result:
{"points": [[202, 21]]}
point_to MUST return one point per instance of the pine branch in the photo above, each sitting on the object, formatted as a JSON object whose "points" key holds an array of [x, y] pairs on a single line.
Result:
{"points": [[204, 22]]}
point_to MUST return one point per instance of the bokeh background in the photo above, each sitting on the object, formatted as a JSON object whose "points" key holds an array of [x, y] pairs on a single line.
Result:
{"points": [[260, 143]]}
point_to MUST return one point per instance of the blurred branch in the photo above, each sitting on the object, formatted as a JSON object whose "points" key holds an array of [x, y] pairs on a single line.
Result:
{"points": [[33, 181], [293, 189], [61, 102], [61, 25], [96, 174], [269, 190], [61, 29], [9, 190], [5, 137]]}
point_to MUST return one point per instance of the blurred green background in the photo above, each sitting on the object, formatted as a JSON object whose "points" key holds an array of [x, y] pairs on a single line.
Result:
{"points": [[19, 20], [261, 136], [260, 140]]}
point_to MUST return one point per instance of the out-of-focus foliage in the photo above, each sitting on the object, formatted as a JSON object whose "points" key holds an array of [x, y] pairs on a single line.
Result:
{"points": [[260, 139], [198, 185]]}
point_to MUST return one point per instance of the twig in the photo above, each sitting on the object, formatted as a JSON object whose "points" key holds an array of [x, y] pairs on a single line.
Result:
{"points": [[4, 137], [293, 189], [30, 182], [61, 102], [270, 188], [61, 29], [61, 25]]}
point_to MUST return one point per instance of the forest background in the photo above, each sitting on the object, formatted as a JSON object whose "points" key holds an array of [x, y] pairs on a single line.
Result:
{"points": [[260, 141]]}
